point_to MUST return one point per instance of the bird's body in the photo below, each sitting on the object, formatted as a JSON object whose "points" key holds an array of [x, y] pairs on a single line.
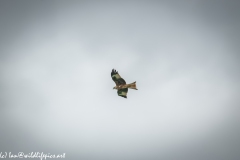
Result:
{"points": [[131, 85], [121, 85]]}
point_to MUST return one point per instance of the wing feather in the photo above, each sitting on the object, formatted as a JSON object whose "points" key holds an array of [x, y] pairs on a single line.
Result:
{"points": [[117, 78], [122, 92]]}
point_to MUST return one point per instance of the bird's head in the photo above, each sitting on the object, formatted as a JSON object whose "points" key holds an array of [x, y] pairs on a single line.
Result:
{"points": [[115, 87]]}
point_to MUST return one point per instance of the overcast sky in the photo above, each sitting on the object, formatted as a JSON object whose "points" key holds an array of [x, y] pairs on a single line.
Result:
{"points": [[56, 93]]}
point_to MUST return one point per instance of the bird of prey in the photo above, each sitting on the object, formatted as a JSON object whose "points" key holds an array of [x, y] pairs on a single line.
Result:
{"points": [[121, 85]]}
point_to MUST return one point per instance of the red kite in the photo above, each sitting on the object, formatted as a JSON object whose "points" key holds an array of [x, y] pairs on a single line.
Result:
{"points": [[121, 85]]}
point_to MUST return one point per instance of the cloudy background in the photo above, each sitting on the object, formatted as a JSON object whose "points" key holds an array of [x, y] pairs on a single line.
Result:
{"points": [[56, 92]]}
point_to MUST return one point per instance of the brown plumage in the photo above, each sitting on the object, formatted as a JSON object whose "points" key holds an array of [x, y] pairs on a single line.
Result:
{"points": [[121, 84]]}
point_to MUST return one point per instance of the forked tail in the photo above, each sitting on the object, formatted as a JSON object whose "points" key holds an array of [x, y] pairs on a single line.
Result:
{"points": [[133, 85]]}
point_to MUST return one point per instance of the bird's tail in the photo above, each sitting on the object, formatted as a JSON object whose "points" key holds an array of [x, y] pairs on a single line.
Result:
{"points": [[133, 85]]}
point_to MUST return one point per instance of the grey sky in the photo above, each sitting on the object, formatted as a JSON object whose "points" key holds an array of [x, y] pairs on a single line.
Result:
{"points": [[56, 90]]}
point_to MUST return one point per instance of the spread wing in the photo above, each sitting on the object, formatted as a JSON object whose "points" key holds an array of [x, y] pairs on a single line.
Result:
{"points": [[117, 78], [123, 92]]}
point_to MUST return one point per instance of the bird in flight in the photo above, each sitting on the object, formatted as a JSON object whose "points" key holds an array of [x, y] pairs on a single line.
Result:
{"points": [[121, 85]]}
